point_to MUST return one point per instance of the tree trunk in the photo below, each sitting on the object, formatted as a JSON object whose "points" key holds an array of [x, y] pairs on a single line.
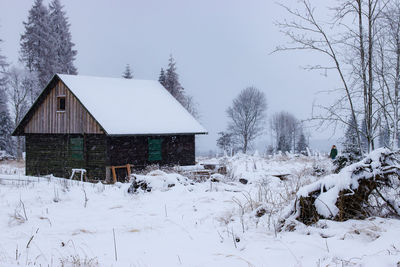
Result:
{"points": [[19, 148], [396, 94]]}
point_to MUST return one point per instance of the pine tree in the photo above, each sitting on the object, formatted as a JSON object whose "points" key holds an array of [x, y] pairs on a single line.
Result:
{"points": [[6, 142], [127, 73], [3, 81], [162, 78], [37, 44], [350, 144], [172, 83], [6, 127], [3, 66], [302, 143], [170, 80], [3, 99], [283, 143], [63, 46]]}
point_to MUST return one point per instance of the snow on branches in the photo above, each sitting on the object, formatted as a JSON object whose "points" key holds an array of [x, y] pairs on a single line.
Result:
{"points": [[366, 188]]}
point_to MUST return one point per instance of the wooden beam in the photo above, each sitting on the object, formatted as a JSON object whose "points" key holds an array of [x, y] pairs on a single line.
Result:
{"points": [[128, 169], [114, 174]]}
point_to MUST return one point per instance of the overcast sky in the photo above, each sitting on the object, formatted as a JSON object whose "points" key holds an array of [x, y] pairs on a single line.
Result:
{"points": [[220, 47]]}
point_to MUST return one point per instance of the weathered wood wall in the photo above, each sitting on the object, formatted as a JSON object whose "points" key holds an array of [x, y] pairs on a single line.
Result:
{"points": [[45, 155], [74, 120], [49, 154], [176, 150]]}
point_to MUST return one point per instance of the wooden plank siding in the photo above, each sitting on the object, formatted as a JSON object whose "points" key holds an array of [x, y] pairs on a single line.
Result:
{"points": [[50, 154], [175, 150], [74, 120]]}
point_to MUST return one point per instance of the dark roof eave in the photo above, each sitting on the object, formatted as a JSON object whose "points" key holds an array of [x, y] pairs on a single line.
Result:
{"points": [[158, 134]]}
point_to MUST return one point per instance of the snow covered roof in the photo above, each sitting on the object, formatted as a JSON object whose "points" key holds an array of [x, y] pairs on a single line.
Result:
{"points": [[131, 106], [125, 106]]}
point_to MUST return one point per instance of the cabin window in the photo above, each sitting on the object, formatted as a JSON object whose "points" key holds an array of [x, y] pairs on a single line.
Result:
{"points": [[61, 103], [155, 149], [76, 148]]}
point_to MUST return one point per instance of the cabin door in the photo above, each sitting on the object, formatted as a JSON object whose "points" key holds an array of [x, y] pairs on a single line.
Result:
{"points": [[76, 152], [155, 151]]}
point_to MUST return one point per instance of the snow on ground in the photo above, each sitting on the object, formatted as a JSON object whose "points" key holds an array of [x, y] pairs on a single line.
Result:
{"points": [[57, 222], [12, 167]]}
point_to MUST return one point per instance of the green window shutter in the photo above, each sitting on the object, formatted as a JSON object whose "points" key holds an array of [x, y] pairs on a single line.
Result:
{"points": [[76, 148], [155, 149]]}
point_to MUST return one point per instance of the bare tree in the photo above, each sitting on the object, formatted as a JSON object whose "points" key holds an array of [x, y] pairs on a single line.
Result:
{"points": [[286, 130], [307, 32], [18, 98], [387, 69], [247, 116], [362, 43], [190, 105]]}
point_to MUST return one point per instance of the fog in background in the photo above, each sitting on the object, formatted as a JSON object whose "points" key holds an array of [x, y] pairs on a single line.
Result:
{"points": [[220, 47]]}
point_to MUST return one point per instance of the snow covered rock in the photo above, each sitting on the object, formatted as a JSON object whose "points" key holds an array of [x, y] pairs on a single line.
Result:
{"points": [[157, 180], [243, 181]]}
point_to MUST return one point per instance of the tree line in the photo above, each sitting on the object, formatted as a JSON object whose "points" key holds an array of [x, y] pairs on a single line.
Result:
{"points": [[247, 120]]}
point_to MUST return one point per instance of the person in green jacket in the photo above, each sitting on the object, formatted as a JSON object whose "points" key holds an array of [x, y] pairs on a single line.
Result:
{"points": [[333, 152]]}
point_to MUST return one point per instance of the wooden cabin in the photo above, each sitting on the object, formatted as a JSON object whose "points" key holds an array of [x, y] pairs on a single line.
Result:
{"points": [[94, 123]]}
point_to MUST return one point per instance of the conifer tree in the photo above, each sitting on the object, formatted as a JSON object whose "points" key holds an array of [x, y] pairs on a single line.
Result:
{"points": [[6, 127], [172, 83], [302, 143], [350, 144], [162, 78], [3, 66], [283, 145], [170, 80], [37, 52], [127, 73], [46, 46], [6, 142], [63, 46], [3, 99]]}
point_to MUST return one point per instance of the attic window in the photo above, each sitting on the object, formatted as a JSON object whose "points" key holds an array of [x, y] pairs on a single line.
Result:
{"points": [[60, 103]]}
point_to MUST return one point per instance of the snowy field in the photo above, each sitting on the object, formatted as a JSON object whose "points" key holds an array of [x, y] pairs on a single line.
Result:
{"points": [[57, 222]]}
